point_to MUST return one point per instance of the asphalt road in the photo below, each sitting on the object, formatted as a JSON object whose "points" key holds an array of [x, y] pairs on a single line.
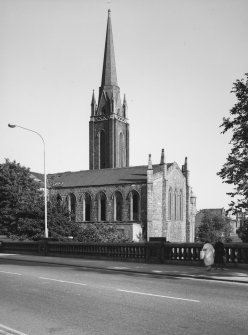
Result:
{"points": [[39, 299]]}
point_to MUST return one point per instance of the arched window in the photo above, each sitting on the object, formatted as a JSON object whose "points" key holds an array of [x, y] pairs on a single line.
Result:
{"points": [[121, 150], [181, 205], [72, 203], [101, 206], [170, 204], [134, 206], [117, 206], [58, 200], [87, 200], [102, 149]]}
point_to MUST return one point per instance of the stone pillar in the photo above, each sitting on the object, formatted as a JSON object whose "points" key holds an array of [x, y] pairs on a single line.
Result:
{"points": [[192, 216], [91, 145], [111, 144], [149, 198], [98, 151], [127, 145], [164, 195], [186, 174]]}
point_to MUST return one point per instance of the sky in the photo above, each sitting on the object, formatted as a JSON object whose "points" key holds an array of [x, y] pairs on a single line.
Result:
{"points": [[176, 62]]}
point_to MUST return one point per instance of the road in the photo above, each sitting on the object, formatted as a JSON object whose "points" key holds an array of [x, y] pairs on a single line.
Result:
{"points": [[39, 299]]}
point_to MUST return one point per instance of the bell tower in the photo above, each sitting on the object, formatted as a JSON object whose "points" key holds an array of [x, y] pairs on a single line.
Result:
{"points": [[108, 126]]}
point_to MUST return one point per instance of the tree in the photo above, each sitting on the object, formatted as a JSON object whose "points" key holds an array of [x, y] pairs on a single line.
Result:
{"points": [[243, 232], [20, 197], [235, 170], [22, 207], [59, 218], [213, 226], [101, 233]]}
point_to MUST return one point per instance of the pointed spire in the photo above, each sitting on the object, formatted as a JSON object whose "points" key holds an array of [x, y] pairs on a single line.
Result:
{"points": [[124, 106], [93, 100], [124, 100], [93, 104], [109, 76]]}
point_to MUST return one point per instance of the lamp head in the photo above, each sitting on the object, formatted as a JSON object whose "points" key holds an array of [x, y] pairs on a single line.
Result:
{"points": [[11, 125]]}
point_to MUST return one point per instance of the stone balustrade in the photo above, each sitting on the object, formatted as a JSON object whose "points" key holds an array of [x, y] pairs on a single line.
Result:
{"points": [[157, 252]]}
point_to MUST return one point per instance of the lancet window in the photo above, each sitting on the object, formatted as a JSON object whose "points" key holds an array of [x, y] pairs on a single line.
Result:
{"points": [[71, 205], [117, 206], [101, 206], [134, 206]]}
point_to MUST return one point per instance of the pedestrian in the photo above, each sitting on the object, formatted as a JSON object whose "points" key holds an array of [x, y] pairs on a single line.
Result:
{"points": [[208, 259], [219, 254]]}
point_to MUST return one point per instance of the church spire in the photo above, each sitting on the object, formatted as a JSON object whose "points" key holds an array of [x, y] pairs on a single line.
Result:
{"points": [[109, 76], [109, 127]]}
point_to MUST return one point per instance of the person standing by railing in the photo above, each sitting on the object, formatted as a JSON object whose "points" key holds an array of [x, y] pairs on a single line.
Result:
{"points": [[208, 259]]}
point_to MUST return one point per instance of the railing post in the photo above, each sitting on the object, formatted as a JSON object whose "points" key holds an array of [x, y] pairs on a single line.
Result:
{"points": [[43, 247]]}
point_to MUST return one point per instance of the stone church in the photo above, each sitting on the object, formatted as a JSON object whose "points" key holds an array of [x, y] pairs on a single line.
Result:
{"points": [[148, 200]]}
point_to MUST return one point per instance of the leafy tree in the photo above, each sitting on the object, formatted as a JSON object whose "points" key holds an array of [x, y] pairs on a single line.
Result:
{"points": [[101, 233], [20, 198], [213, 226], [60, 224], [243, 232], [235, 170], [22, 207]]}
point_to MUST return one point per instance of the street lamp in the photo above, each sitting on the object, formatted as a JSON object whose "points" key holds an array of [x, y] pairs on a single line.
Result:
{"points": [[45, 186]]}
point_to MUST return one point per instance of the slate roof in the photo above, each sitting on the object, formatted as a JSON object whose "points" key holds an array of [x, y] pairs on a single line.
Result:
{"points": [[38, 176], [117, 176]]}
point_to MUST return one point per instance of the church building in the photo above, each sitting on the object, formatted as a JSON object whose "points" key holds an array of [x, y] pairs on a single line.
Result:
{"points": [[152, 200]]}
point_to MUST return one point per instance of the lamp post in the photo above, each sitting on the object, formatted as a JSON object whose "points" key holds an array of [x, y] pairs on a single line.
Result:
{"points": [[44, 155]]}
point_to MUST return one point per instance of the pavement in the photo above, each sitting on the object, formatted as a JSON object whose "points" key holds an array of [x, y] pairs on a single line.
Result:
{"points": [[237, 274]]}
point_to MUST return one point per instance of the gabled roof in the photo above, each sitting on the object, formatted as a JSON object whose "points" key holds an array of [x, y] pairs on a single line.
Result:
{"points": [[117, 176]]}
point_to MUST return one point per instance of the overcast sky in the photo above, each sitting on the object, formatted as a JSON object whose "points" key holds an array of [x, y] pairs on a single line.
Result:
{"points": [[176, 62]]}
